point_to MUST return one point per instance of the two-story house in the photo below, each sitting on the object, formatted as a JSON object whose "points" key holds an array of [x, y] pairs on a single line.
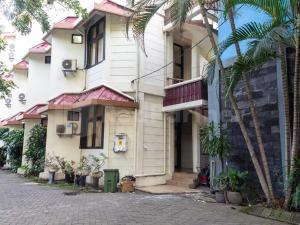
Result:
{"points": [[102, 90]]}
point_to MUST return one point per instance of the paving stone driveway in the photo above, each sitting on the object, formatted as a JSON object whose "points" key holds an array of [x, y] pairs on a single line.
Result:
{"points": [[24, 203]]}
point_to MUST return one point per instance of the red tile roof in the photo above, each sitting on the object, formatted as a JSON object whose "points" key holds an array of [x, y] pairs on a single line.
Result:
{"points": [[113, 8], [101, 95], [106, 6], [69, 23], [23, 65], [11, 120], [43, 47], [31, 113]]}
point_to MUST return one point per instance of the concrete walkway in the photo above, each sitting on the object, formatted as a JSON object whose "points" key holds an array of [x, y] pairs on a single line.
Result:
{"points": [[26, 203]]}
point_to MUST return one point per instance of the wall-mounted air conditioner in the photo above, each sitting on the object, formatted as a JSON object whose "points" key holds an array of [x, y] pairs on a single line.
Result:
{"points": [[7, 102], [22, 98], [67, 130], [69, 65]]}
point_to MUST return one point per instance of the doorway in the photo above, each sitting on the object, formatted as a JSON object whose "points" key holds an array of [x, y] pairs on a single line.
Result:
{"points": [[183, 141]]}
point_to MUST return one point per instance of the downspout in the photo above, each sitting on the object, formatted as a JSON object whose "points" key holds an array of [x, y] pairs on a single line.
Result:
{"points": [[85, 63], [136, 110]]}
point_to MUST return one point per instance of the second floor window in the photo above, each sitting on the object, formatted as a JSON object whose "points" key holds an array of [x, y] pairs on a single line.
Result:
{"points": [[95, 43]]}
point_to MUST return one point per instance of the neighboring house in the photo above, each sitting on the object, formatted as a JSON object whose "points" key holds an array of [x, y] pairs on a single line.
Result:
{"points": [[100, 89]]}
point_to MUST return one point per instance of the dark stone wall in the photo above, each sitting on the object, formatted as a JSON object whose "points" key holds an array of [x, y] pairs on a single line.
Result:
{"points": [[264, 87]]}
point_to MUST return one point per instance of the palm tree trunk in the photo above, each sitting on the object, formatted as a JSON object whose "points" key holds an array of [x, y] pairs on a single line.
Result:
{"points": [[287, 124], [253, 113], [232, 99], [296, 117]]}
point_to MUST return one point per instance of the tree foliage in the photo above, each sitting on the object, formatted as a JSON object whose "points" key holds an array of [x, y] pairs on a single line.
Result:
{"points": [[214, 142], [35, 150], [14, 147], [3, 134], [24, 12]]}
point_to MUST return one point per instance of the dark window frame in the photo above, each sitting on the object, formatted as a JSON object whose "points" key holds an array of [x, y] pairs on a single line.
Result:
{"points": [[84, 127], [73, 116], [47, 61], [72, 39], [89, 42], [181, 65]]}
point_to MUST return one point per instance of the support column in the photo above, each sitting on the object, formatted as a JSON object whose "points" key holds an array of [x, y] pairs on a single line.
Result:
{"points": [[195, 72], [196, 144]]}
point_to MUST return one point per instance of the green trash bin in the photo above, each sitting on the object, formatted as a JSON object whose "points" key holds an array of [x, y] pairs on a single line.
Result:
{"points": [[111, 179]]}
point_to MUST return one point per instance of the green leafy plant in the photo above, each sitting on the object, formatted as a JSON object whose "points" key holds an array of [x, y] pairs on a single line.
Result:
{"points": [[222, 181], [3, 150], [14, 145], [236, 179], [84, 167], [51, 163], [214, 142], [295, 200], [96, 164], [36, 148]]}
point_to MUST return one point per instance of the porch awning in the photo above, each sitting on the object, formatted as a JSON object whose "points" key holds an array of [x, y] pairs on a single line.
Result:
{"points": [[31, 113], [102, 95], [11, 120]]}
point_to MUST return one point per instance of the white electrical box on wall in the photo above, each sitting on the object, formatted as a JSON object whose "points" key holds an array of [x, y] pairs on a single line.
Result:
{"points": [[120, 143]]}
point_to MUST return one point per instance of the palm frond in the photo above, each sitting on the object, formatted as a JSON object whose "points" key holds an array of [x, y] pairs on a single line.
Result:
{"points": [[143, 12], [277, 9]]}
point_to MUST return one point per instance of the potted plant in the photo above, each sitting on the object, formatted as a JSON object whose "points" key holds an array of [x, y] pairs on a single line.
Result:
{"points": [[127, 183], [82, 171], [236, 182], [221, 181], [69, 172], [214, 142], [52, 166], [96, 164]]}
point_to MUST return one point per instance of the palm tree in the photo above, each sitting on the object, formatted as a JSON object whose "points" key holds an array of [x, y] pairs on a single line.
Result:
{"points": [[276, 34], [296, 116], [271, 35], [143, 12], [252, 109]]}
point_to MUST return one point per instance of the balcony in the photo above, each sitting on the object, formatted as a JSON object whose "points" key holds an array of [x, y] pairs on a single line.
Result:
{"points": [[185, 95]]}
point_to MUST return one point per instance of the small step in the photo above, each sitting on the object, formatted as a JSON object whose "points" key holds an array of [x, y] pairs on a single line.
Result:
{"points": [[182, 179]]}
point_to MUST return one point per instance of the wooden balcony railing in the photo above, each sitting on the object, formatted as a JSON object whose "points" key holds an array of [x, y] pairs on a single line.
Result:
{"points": [[184, 92]]}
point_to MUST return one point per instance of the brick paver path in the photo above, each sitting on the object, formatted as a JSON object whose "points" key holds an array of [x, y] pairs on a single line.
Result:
{"points": [[25, 203]]}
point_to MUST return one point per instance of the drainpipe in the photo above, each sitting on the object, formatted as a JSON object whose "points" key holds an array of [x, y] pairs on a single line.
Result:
{"points": [[136, 110]]}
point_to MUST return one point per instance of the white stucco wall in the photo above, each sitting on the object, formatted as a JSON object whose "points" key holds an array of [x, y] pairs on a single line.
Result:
{"points": [[117, 120], [20, 80], [62, 48], [38, 80]]}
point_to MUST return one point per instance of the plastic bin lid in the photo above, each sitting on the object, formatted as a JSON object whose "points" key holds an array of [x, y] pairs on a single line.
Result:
{"points": [[111, 170]]}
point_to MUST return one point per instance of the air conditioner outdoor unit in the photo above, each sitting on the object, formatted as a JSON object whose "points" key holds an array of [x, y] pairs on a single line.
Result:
{"points": [[71, 128], [60, 129], [22, 97], [69, 65], [7, 102]]}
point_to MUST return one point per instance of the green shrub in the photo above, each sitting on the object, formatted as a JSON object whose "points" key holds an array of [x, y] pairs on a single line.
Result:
{"points": [[3, 150], [14, 146], [296, 195], [35, 150]]}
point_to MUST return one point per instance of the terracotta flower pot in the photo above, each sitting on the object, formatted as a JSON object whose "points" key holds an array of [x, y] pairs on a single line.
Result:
{"points": [[234, 197]]}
